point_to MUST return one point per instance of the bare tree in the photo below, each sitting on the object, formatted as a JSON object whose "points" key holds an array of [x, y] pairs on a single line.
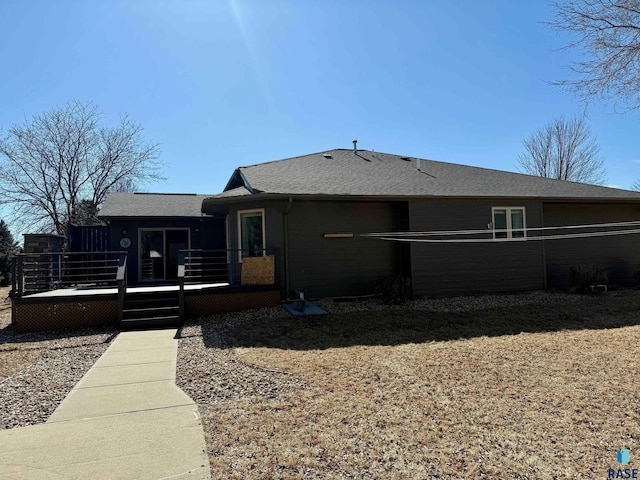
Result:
{"points": [[608, 34], [64, 157], [564, 149]]}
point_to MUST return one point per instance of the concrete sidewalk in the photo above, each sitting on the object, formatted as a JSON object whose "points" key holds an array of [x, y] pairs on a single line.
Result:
{"points": [[126, 419]]}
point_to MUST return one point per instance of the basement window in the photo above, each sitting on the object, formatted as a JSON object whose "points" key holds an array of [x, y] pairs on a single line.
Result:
{"points": [[509, 222]]}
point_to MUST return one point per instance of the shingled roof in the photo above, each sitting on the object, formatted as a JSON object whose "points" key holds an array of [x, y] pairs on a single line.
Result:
{"points": [[365, 173], [152, 205]]}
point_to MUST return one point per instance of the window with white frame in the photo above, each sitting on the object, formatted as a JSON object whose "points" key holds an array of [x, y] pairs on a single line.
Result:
{"points": [[251, 233], [509, 222]]}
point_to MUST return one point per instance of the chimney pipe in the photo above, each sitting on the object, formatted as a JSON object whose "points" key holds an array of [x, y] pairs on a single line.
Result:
{"points": [[355, 147]]}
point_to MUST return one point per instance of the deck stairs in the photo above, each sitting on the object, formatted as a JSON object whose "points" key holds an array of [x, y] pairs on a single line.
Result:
{"points": [[142, 310]]}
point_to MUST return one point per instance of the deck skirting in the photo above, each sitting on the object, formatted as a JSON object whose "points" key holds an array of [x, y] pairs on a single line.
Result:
{"points": [[202, 304], [55, 312]]}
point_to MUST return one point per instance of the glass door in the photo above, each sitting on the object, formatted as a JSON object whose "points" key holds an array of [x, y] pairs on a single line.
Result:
{"points": [[159, 249], [175, 240], [151, 255]]}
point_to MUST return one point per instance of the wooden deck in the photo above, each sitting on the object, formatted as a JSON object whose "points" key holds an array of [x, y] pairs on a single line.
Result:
{"points": [[83, 289], [94, 306], [98, 291]]}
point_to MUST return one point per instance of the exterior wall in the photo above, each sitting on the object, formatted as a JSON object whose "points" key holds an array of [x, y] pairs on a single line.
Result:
{"points": [[327, 266], [459, 268], [342, 266], [205, 233], [619, 255], [274, 234], [37, 314]]}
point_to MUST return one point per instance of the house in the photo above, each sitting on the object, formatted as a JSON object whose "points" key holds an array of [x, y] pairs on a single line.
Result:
{"points": [[312, 214], [330, 224]]}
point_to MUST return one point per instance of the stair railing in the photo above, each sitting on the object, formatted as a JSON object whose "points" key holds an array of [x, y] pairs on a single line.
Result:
{"points": [[121, 279], [181, 270]]}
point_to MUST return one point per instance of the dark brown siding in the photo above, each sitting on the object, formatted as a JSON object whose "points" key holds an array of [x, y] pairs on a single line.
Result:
{"points": [[342, 266], [205, 233], [324, 266], [274, 233], [459, 268], [619, 255]]}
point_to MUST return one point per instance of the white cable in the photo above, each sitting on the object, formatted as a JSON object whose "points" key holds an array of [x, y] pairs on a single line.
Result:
{"points": [[435, 233], [522, 239]]}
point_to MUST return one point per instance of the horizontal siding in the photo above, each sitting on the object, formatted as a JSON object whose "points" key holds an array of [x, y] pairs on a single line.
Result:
{"points": [[342, 266], [620, 255], [451, 269]]}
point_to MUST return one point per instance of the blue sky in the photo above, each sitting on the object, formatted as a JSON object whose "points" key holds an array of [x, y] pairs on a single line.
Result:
{"points": [[220, 84]]}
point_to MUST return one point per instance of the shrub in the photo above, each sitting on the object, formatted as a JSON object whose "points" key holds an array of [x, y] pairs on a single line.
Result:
{"points": [[586, 274], [394, 290]]}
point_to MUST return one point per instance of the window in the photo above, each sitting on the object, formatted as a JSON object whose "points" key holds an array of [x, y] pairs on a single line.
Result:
{"points": [[251, 233], [509, 222]]}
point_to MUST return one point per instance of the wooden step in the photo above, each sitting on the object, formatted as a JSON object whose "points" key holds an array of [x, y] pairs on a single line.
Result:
{"points": [[142, 310], [147, 312]]}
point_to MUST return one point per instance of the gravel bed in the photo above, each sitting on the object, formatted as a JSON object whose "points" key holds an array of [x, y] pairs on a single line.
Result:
{"points": [[31, 395], [455, 304], [211, 373]]}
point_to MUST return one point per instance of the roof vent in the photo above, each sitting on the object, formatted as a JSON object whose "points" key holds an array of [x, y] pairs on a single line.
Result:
{"points": [[355, 147], [406, 159], [327, 155]]}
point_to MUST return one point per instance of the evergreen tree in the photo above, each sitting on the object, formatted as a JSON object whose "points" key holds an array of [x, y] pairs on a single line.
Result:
{"points": [[8, 247]]}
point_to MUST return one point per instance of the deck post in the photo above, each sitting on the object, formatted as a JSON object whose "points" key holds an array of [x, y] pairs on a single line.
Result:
{"points": [[121, 278], [14, 282], [19, 274], [181, 262]]}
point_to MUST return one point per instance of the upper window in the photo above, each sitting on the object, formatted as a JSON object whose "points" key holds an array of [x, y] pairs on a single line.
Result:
{"points": [[251, 233], [509, 222]]}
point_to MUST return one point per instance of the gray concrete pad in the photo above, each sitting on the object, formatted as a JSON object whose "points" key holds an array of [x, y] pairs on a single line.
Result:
{"points": [[112, 358], [116, 399], [153, 343], [148, 445], [167, 333], [126, 419], [126, 374]]}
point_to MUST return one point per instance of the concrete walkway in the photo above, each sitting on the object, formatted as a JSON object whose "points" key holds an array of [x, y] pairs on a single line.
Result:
{"points": [[126, 419]]}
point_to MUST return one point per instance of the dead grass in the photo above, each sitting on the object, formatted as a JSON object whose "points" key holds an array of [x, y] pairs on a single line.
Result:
{"points": [[408, 394]]}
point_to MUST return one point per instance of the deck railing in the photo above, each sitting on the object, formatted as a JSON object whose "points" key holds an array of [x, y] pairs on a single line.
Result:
{"points": [[233, 267], [41, 272], [226, 266]]}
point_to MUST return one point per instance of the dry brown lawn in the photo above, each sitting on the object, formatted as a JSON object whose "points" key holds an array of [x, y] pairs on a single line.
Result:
{"points": [[547, 391]]}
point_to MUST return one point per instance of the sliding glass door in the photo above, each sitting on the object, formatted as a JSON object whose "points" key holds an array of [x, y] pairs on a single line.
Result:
{"points": [[159, 252]]}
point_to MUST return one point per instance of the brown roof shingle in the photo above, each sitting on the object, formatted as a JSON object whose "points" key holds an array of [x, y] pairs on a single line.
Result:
{"points": [[341, 172], [120, 204]]}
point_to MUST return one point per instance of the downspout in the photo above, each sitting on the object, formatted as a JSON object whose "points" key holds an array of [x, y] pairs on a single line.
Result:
{"points": [[286, 246], [544, 250]]}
